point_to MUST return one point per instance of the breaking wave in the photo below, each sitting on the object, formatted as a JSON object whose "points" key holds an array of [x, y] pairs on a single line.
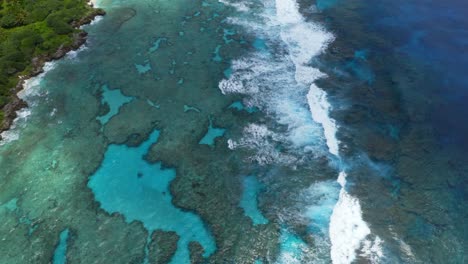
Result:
{"points": [[279, 80]]}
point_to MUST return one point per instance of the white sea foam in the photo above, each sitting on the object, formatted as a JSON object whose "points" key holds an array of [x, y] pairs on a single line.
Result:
{"points": [[305, 40], [320, 107], [349, 232], [372, 250], [406, 250], [261, 139], [242, 7], [269, 81], [13, 134], [281, 83], [321, 198], [30, 88], [347, 229], [94, 3], [73, 54], [94, 21]]}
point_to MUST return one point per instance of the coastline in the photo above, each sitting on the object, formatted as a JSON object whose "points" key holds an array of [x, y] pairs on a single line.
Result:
{"points": [[79, 38]]}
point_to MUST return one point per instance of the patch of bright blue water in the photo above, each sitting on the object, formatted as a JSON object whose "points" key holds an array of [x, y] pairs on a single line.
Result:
{"points": [[10, 205], [115, 99], [360, 68], [258, 262], [216, 56], [227, 73], [157, 44], [25, 220], [260, 45], [226, 34], [143, 68], [188, 108], [249, 200], [433, 33], [239, 106], [212, 134], [291, 247], [127, 184], [325, 4], [324, 196], [60, 254]]}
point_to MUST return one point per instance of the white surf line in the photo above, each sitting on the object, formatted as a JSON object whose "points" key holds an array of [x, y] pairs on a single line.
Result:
{"points": [[94, 3], [265, 81], [347, 230], [31, 87]]}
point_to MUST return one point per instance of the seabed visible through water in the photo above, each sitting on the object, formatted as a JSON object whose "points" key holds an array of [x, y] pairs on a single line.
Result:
{"points": [[221, 132]]}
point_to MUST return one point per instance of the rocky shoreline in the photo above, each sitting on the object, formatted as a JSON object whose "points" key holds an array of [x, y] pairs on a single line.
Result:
{"points": [[17, 103]]}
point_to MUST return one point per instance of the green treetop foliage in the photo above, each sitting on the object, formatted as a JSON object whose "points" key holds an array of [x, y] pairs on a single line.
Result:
{"points": [[30, 28]]}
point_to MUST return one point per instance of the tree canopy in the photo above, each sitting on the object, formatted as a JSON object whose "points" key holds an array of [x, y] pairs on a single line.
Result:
{"points": [[30, 28]]}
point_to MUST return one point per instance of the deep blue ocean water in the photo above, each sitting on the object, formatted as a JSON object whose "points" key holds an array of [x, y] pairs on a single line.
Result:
{"points": [[260, 131], [416, 52], [435, 34]]}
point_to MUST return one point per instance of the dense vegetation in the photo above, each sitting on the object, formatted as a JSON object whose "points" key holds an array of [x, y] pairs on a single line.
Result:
{"points": [[31, 28]]}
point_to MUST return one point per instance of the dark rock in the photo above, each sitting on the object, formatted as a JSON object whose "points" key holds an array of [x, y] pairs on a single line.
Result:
{"points": [[162, 247], [196, 253], [15, 102]]}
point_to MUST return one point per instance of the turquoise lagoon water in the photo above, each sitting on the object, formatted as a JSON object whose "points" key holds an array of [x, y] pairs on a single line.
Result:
{"points": [[125, 183], [61, 249], [249, 200], [211, 134], [239, 106], [114, 99], [137, 147]]}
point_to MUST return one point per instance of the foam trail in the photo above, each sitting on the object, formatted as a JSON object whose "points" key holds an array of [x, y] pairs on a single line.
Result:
{"points": [[12, 134], [281, 83], [94, 3], [31, 87], [269, 80], [347, 229], [319, 107]]}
